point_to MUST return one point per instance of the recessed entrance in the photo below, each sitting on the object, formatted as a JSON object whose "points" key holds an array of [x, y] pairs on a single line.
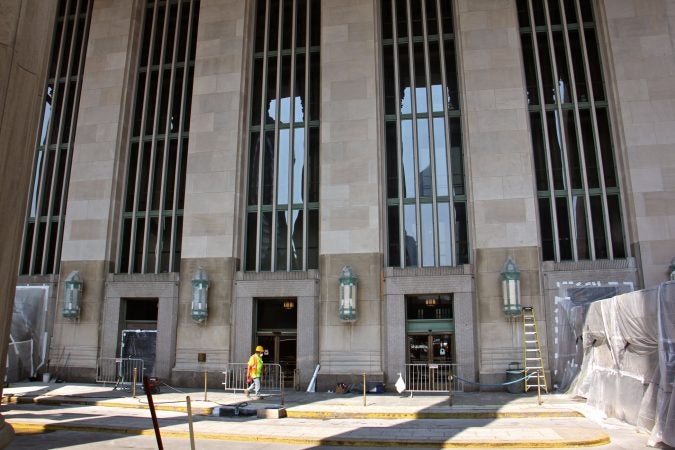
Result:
{"points": [[430, 329], [276, 331], [139, 334]]}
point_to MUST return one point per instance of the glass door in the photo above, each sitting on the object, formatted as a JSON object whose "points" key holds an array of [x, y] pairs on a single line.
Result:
{"points": [[430, 348]]}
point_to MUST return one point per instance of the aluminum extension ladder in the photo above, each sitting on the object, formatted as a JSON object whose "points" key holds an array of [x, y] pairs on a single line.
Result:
{"points": [[534, 365]]}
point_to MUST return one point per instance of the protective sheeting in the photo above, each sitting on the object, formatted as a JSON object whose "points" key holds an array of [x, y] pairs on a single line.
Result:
{"points": [[28, 338], [628, 367]]}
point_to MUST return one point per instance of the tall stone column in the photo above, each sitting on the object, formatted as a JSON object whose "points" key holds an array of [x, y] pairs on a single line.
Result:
{"points": [[350, 186], [500, 175], [25, 31]]}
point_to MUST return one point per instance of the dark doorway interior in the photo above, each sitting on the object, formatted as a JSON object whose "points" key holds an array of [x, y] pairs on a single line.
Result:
{"points": [[276, 331], [139, 334]]}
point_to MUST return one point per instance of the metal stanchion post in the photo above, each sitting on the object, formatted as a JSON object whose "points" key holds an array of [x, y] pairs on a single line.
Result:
{"points": [[538, 387], [205, 383], [364, 389], [133, 388], [192, 433], [450, 388]]}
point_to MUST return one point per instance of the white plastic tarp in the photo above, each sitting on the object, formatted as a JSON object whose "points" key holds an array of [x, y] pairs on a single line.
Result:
{"points": [[628, 368]]}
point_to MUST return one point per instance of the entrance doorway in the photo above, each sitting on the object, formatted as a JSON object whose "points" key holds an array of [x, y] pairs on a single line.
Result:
{"points": [[276, 331], [139, 334], [430, 329]]}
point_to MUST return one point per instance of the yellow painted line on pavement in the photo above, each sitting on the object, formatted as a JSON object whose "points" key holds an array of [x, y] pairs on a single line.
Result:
{"points": [[432, 415], [27, 428]]}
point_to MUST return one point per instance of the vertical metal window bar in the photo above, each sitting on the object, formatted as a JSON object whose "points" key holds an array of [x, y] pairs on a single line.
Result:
{"points": [[42, 249], [448, 140], [141, 250]]}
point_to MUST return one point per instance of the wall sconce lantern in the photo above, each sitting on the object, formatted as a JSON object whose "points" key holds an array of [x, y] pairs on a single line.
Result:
{"points": [[347, 307], [200, 295], [511, 288], [672, 269], [72, 292]]}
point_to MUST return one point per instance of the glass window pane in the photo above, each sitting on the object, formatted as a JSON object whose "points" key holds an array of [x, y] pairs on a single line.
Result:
{"points": [[615, 226], [394, 236], [440, 158], [530, 69], [457, 156], [268, 169], [581, 227], [266, 241], [563, 83], [570, 11], [594, 64], [523, 13], [251, 233], [599, 237], [408, 149], [592, 175], [444, 235], [313, 240], [427, 234], [410, 229], [546, 226], [578, 66], [282, 169], [555, 149], [571, 134], [313, 165], [282, 234], [425, 176], [564, 232], [404, 79], [297, 239], [546, 68], [539, 151], [461, 234], [298, 165], [605, 138]]}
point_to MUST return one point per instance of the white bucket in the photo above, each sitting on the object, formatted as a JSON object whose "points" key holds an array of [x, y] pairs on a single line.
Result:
{"points": [[46, 377]]}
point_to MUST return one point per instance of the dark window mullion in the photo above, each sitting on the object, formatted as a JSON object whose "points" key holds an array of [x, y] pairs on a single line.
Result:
{"points": [[153, 152], [399, 141], [261, 140], [291, 139], [415, 138], [306, 119], [275, 165]]}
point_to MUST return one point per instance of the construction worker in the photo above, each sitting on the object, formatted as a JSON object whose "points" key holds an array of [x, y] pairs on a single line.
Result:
{"points": [[254, 371]]}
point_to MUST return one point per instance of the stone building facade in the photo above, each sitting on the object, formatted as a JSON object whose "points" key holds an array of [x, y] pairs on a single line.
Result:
{"points": [[420, 142]]}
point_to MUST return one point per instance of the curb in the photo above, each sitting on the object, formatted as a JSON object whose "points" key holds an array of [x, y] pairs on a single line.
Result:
{"points": [[24, 428], [300, 414]]}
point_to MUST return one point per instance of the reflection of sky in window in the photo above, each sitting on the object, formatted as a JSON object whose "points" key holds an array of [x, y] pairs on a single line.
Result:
{"points": [[47, 116], [421, 99], [282, 176], [285, 110]]}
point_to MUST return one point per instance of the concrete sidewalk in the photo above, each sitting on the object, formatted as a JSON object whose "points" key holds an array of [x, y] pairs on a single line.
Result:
{"points": [[474, 419]]}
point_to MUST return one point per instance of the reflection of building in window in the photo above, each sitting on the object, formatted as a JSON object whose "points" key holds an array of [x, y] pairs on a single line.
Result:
{"points": [[283, 202], [580, 215], [426, 218]]}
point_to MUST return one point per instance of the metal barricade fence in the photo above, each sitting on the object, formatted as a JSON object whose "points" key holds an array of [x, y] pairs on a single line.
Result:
{"points": [[272, 380], [119, 371], [432, 378]]}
